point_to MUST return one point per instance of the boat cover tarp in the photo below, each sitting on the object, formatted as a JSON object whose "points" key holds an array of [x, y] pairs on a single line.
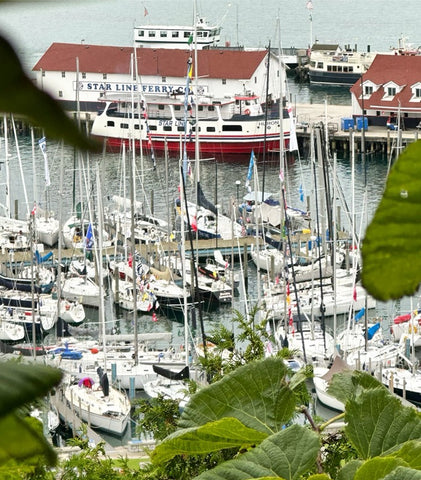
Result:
{"points": [[171, 375], [203, 201], [338, 365]]}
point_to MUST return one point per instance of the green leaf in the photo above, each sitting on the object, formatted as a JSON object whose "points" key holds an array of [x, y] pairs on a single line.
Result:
{"points": [[287, 454], [21, 97], [403, 473], [377, 422], [410, 453], [22, 383], [19, 441], [225, 433], [377, 468], [390, 250], [319, 476], [256, 394], [349, 384], [347, 472]]}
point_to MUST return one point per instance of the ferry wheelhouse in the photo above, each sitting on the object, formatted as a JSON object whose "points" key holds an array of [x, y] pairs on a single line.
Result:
{"points": [[176, 36], [234, 125]]}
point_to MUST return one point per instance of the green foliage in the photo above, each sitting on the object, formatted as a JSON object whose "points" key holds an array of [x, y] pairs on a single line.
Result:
{"points": [[390, 250], [157, 416]]}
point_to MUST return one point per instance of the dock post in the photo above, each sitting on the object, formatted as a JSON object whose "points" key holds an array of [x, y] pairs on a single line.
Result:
{"points": [[388, 142]]}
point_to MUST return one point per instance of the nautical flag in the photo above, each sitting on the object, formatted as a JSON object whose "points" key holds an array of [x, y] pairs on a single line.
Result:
{"points": [[34, 209], [354, 295], [359, 314], [154, 317], [190, 71], [89, 237], [194, 224], [250, 171], [43, 146], [372, 330], [309, 5], [301, 192], [145, 11], [190, 41]]}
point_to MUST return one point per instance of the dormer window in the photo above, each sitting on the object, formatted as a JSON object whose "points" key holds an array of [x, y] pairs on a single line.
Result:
{"points": [[391, 91], [368, 90], [416, 92]]}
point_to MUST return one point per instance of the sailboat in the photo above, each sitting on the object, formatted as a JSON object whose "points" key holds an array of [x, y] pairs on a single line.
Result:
{"points": [[100, 404]]}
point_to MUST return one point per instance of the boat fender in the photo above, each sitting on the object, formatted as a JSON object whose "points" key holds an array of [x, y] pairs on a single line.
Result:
{"points": [[247, 111]]}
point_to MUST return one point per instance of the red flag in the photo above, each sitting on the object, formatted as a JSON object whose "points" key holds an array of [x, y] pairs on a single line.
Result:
{"points": [[145, 12], [194, 224], [354, 295], [154, 317], [34, 209]]}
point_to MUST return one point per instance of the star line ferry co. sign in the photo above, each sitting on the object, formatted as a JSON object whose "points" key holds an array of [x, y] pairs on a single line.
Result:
{"points": [[117, 87]]}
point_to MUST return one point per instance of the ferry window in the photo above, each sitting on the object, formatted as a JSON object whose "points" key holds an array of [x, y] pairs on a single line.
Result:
{"points": [[345, 69], [391, 91], [210, 129], [368, 90], [141, 33], [377, 113], [60, 93], [329, 68], [63, 74], [161, 107], [124, 125], [163, 34], [152, 127], [177, 107], [180, 129], [224, 81], [186, 34], [200, 34], [313, 63], [43, 73], [164, 79], [167, 128], [136, 126], [350, 69], [334, 68], [104, 76], [339, 68], [231, 128], [83, 75], [110, 123], [319, 64], [151, 33], [174, 34], [211, 108], [205, 34], [200, 108]]}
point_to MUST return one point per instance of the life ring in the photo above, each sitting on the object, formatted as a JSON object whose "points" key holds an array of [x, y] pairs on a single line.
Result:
{"points": [[247, 111]]}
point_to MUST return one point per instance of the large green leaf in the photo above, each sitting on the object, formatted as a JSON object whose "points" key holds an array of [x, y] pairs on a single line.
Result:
{"points": [[377, 422], [319, 476], [256, 394], [21, 383], [403, 473], [21, 97], [218, 435], [349, 384], [390, 250], [287, 454], [411, 453], [347, 472], [378, 468], [19, 441]]}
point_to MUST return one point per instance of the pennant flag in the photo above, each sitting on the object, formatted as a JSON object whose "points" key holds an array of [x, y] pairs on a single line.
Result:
{"points": [[34, 209], [190, 72], [145, 11], [190, 41], [359, 314], [354, 295], [301, 192], [250, 171], [43, 146], [309, 5], [372, 330], [89, 237]]}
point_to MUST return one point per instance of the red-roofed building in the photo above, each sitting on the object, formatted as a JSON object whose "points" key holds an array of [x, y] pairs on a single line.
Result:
{"points": [[391, 86], [98, 70]]}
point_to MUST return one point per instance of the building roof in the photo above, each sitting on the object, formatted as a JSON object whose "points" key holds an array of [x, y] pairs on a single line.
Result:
{"points": [[214, 63], [403, 70]]}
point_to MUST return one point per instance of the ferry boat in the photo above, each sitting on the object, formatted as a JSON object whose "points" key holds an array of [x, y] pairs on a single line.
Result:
{"points": [[234, 125], [176, 36], [330, 64]]}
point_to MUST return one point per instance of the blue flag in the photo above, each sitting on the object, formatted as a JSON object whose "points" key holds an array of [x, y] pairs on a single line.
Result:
{"points": [[372, 330], [359, 314], [250, 171], [89, 237], [301, 192]]}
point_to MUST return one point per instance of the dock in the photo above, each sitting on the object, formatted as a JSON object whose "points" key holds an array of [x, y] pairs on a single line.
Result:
{"points": [[373, 139]]}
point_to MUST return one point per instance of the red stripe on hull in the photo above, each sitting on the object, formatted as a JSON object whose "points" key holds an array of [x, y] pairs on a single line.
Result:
{"points": [[241, 147]]}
